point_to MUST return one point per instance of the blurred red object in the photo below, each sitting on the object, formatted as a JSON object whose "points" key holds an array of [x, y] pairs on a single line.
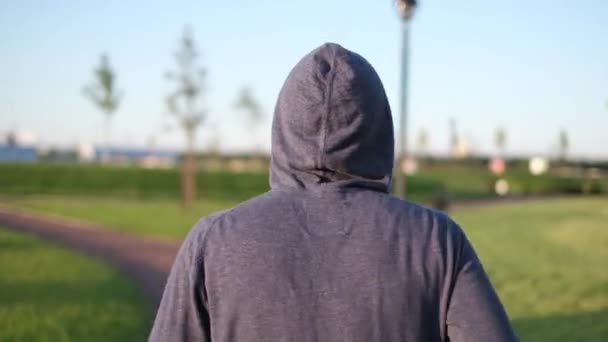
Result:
{"points": [[497, 166]]}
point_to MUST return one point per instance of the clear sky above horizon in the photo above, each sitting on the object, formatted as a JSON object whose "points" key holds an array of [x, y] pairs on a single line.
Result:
{"points": [[532, 67]]}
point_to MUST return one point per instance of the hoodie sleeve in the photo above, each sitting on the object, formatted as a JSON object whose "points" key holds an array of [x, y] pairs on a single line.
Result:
{"points": [[182, 314], [475, 312]]}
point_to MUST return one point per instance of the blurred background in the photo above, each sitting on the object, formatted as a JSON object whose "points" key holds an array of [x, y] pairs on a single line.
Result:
{"points": [[141, 117]]}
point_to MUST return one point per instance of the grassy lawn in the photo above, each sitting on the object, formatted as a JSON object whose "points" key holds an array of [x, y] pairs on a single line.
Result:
{"points": [[549, 262], [548, 259], [162, 218], [50, 294]]}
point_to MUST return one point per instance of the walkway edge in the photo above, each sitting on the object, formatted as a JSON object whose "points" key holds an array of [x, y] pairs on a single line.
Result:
{"points": [[146, 261]]}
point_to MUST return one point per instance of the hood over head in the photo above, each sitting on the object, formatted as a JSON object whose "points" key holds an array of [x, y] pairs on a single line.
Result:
{"points": [[332, 124]]}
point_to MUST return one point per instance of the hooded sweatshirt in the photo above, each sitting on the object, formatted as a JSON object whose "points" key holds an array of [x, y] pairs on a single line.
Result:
{"points": [[327, 254]]}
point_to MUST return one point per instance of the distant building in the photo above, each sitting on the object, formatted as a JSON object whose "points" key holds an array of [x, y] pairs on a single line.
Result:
{"points": [[20, 154], [19, 147], [150, 158]]}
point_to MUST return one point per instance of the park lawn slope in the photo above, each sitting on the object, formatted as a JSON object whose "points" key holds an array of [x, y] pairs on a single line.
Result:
{"points": [[161, 218], [50, 294], [548, 261]]}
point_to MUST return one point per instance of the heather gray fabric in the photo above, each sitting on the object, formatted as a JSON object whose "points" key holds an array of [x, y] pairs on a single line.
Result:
{"points": [[327, 254]]}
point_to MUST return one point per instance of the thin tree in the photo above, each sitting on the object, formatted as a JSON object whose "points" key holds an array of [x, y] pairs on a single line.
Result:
{"points": [[103, 93], [182, 104], [250, 106], [500, 139], [564, 145]]}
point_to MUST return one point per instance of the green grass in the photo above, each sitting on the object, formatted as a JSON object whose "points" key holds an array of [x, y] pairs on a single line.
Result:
{"points": [[50, 294], [124, 182], [466, 179], [549, 263], [548, 259], [462, 182], [162, 218]]}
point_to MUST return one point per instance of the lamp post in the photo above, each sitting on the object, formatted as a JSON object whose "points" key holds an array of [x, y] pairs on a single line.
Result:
{"points": [[405, 9]]}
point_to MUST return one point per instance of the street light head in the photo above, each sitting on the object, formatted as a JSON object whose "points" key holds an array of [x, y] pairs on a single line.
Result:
{"points": [[405, 8]]}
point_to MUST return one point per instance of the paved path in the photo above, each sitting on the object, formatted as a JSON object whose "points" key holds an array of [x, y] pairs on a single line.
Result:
{"points": [[146, 261]]}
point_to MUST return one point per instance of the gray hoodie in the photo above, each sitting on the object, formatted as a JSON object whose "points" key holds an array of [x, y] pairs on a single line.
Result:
{"points": [[328, 254]]}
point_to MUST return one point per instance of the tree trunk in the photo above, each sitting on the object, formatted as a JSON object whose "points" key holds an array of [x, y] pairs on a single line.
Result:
{"points": [[188, 174], [105, 154]]}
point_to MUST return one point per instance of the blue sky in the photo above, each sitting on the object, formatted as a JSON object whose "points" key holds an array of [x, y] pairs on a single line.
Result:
{"points": [[533, 67]]}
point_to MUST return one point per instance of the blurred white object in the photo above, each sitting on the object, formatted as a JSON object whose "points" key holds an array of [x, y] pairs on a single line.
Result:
{"points": [[409, 166], [462, 149], [21, 137], [85, 152], [501, 187], [538, 165]]}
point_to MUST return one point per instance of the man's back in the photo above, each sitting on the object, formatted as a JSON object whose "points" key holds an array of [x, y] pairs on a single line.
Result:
{"points": [[327, 254]]}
